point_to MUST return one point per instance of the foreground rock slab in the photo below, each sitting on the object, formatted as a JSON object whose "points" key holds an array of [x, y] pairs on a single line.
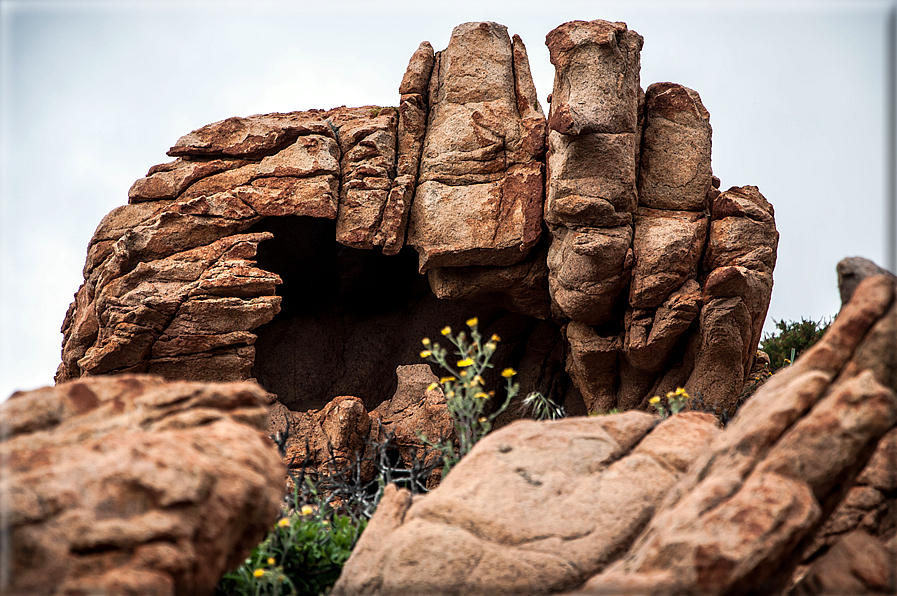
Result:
{"points": [[132, 485], [738, 520], [521, 515]]}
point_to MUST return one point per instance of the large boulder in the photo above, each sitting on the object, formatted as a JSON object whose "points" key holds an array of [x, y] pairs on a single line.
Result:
{"points": [[133, 485], [533, 509], [311, 251]]}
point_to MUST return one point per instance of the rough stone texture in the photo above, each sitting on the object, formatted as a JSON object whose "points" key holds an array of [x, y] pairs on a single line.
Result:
{"points": [[479, 194], [131, 485], [736, 523], [596, 81], [518, 514], [274, 246], [853, 270], [857, 565], [675, 157]]}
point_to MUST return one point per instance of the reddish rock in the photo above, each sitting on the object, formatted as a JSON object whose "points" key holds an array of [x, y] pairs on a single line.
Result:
{"points": [[479, 194], [736, 520], [132, 485], [252, 137], [367, 139], [667, 246], [517, 514], [167, 181], [596, 83], [675, 158], [592, 180], [857, 565], [588, 270]]}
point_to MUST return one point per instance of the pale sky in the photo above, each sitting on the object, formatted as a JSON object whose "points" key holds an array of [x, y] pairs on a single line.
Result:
{"points": [[93, 93]]}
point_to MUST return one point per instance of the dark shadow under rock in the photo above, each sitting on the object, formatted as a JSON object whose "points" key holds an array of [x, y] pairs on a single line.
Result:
{"points": [[349, 317]]}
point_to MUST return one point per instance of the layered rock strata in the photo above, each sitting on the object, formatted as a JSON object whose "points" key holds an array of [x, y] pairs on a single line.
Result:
{"points": [[620, 504], [289, 247], [131, 485]]}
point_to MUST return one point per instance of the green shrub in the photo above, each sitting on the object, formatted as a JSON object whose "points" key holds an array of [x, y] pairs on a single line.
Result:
{"points": [[790, 339], [321, 521], [302, 555]]}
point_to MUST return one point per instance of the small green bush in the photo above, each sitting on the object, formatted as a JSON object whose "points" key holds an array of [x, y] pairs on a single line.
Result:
{"points": [[791, 339], [321, 521], [303, 555]]}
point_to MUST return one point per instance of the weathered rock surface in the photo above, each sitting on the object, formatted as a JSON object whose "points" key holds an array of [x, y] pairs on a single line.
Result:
{"points": [[857, 565], [695, 510], [737, 521], [479, 194], [327, 439], [518, 514], [132, 485], [289, 247]]}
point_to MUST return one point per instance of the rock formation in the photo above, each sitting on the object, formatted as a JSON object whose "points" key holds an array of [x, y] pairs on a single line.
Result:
{"points": [[131, 485], [622, 505], [311, 251]]}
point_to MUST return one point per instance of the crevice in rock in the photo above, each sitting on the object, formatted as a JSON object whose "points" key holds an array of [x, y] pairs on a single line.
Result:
{"points": [[349, 317]]}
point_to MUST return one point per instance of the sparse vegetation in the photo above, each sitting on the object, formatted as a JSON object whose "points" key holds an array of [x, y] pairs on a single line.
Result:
{"points": [[465, 392], [791, 339]]}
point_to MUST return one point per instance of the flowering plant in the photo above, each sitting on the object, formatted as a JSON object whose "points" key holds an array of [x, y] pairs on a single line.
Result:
{"points": [[465, 393], [676, 401]]}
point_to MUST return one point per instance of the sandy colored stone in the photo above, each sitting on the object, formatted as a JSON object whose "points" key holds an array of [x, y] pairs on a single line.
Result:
{"points": [[588, 269], [667, 246], [368, 165], [858, 565], [252, 137], [762, 486], [674, 172], [592, 180], [596, 81], [417, 75], [511, 519], [126, 315], [167, 181], [133, 485], [480, 185]]}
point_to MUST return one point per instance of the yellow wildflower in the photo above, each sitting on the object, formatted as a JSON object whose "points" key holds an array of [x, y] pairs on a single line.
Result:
{"points": [[447, 379], [425, 341], [654, 400], [479, 380], [465, 362], [271, 560], [482, 419], [426, 354], [490, 346], [446, 330], [284, 523], [482, 395], [307, 510], [508, 373], [472, 322], [495, 337], [463, 373], [432, 386], [258, 572]]}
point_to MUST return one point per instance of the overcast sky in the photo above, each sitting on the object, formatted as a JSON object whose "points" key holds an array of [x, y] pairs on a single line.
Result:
{"points": [[93, 93]]}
